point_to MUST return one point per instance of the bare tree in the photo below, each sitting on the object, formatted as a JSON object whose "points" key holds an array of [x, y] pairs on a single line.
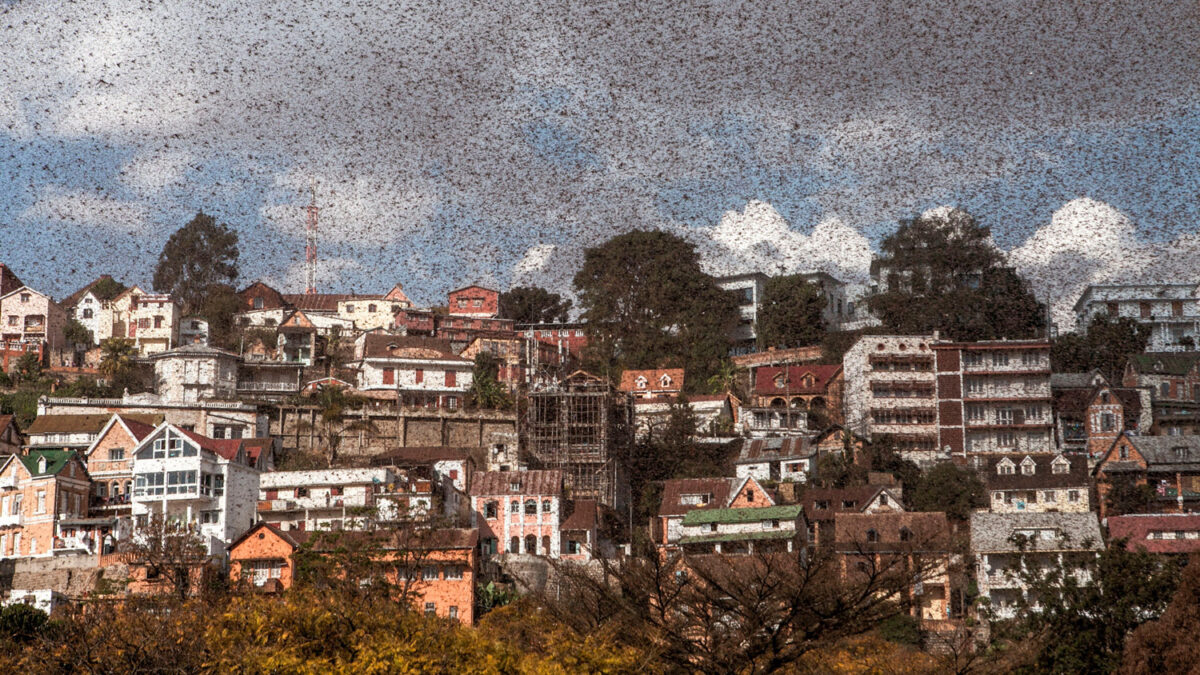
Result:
{"points": [[172, 554]]}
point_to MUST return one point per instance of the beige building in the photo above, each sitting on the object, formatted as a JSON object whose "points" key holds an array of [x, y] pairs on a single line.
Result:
{"points": [[31, 316], [37, 491], [150, 320]]}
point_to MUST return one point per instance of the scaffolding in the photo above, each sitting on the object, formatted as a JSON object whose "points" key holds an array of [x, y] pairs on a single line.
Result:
{"points": [[583, 427]]}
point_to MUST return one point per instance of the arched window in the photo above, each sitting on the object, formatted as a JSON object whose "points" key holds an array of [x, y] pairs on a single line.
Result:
{"points": [[546, 544], [531, 544], [872, 536], [514, 545], [545, 506], [531, 507]]}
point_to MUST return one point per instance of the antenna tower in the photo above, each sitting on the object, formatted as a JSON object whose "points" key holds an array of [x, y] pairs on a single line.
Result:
{"points": [[310, 248]]}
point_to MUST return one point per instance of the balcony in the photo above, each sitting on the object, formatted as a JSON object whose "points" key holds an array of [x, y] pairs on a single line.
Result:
{"points": [[271, 387], [277, 505], [12, 520]]}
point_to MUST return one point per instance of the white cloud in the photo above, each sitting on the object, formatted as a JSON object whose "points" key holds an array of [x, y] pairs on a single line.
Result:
{"points": [[90, 209], [330, 273], [759, 239], [363, 207], [155, 170]]}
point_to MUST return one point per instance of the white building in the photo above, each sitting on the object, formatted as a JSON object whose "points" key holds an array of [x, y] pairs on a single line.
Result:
{"points": [[151, 320], [194, 372], [324, 499], [1172, 311], [420, 371], [891, 388], [193, 330], [733, 531], [1005, 544], [777, 459], [203, 482]]}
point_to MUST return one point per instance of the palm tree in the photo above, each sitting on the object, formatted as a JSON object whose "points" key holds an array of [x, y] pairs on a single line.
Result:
{"points": [[116, 361], [725, 380]]}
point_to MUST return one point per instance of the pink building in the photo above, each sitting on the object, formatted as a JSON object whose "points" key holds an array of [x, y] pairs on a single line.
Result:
{"points": [[518, 512], [474, 301]]}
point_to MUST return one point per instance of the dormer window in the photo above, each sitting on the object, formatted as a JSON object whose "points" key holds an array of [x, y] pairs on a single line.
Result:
{"points": [[1123, 452], [1060, 466], [1181, 452], [905, 534], [1006, 467], [514, 486], [780, 381], [42, 464], [640, 383], [1028, 467], [872, 536], [665, 381]]}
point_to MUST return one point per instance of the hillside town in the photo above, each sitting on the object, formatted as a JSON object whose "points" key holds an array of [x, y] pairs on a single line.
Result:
{"points": [[506, 444]]}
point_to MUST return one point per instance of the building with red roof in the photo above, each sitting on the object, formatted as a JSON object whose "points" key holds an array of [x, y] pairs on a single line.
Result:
{"points": [[1157, 532], [815, 388]]}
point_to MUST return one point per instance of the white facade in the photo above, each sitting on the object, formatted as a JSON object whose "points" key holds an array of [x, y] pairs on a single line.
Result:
{"points": [[325, 499], [748, 288], [891, 388], [215, 419], [180, 477], [193, 330], [1171, 311], [95, 315], [150, 320], [194, 373]]}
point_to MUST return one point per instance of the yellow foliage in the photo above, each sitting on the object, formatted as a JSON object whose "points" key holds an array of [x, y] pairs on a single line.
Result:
{"points": [[866, 655]]}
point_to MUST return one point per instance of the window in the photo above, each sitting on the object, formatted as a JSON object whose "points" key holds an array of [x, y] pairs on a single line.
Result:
{"points": [[770, 524], [545, 506], [1050, 496], [430, 608], [1060, 466], [1031, 359], [1123, 452], [514, 545], [1006, 439], [1108, 422], [489, 510], [972, 358], [25, 297], [531, 544], [976, 412], [429, 574], [905, 534], [573, 547], [258, 303], [115, 454], [883, 499], [1144, 309], [452, 572], [999, 358], [1005, 468], [476, 302], [1004, 416], [41, 501], [419, 375], [976, 387], [371, 308], [872, 536], [1073, 496], [821, 505], [349, 309], [1028, 468], [210, 517], [515, 507], [389, 376], [452, 612], [87, 313], [143, 323], [158, 321], [1164, 390], [1033, 412], [530, 507]]}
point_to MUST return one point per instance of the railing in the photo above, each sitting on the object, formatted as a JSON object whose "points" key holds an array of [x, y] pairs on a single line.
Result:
{"points": [[268, 386]]}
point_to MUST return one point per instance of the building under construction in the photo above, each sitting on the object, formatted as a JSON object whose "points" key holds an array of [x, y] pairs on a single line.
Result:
{"points": [[583, 427]]}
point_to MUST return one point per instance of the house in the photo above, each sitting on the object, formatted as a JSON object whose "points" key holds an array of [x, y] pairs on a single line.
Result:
{"points": [[776, 459], [1176, 533], [74, 432], [1170, 311], [580, 531], [891, 389], [32, 317], [11, 439], [1170, 464], [371, 312], [652, 383], [814, 389], [262, 452], [743, 531], [204, 482], [259, 295], [419, 371], [1036, 482], [566, 341], [110, 463], [263, 557], [916, 543], [37, 491], [193, 330], [994, 396], [92, 309], [518, 512], [822, 506], [194, 372], [837, 438], [474, 301], [714, 413], [1174, 383], [680, 496], [150, 320], [748, 290], [450, 467], [215, 419], [331, 499], [1005, 543], [1089, 413]]}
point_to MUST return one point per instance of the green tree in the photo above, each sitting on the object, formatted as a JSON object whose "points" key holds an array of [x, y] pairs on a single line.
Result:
{"points": [[116, 362], [1127, 495], [28, 368], [21, 623], [1081, 611], [77, 334], [942, 272], [649, 305], [198, 257], [107, 288], [1168, 644], [531, 304], [218, 307], [333, 406], [790, 315], [949, 488], [486, 390], [1105, 345]]}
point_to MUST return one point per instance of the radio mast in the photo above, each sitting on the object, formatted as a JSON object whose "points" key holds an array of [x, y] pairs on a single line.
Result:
{"points": [[310, 249]]}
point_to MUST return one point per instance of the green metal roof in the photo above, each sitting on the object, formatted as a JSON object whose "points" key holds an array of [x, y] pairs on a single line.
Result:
{"points": [[1172, 363], [702, 516], [55, 461], [738, 536]]}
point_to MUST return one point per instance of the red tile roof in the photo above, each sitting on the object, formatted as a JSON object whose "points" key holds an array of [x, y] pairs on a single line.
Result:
{"points": [[582, 515], [318, 302], [859, 496], [1137, 529], [379, 346], [223, 447], [795, 377], [672, 504], [140, 430], [653, 377], [929, 531], [530, 482], [422, 455]]}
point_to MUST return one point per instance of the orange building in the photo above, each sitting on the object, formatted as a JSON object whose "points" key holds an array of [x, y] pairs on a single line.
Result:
{"points": [[110, 464], [37, 491], [263, 557]]}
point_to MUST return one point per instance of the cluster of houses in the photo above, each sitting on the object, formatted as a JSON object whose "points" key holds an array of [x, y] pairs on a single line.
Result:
{"points": [[481, 494]]}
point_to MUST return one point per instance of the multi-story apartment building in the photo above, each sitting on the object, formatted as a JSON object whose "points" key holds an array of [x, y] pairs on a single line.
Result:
{"points": [[192, 373], [31, 316], [324, 499], [1171, 311], [994, 397], [748, 288], [1173, 383], [518, 512], [203, 482], [419, 371], [151, 320], [891, 390]]}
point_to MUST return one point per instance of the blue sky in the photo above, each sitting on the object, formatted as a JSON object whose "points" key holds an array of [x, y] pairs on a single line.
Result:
{"points": [[459, 143]]}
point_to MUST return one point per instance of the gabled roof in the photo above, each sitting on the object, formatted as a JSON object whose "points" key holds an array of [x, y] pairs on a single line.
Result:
{"points": [[1138, 528], [469, 287], [316, 302], [1043, 476], [1076, 380], [859, 497], [294, 538], [56, 461], [493, 483], [794, 378], [773, 449], [718, 489], [255, 449], [653, 379], [993, 532], [193, 349], [926, 530], [226, 448], [1160, 452], [1072, 403], [7, 420], [8, 280], [74, 298], [580, 514], [1164, 363]]}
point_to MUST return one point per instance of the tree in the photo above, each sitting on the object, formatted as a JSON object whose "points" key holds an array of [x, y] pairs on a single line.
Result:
{"points": [[790, 315], [198, 257], [21, 623], [649, 305], [107, 288], [218, 308], [29, 367], [531, 304], [332, 405], [942, 272], [948, 488], [116, 362], [1126, 494], [486, 390], [1105, 345], [171, 553], [1081, 611], [77, 334], [1168, 644]]}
